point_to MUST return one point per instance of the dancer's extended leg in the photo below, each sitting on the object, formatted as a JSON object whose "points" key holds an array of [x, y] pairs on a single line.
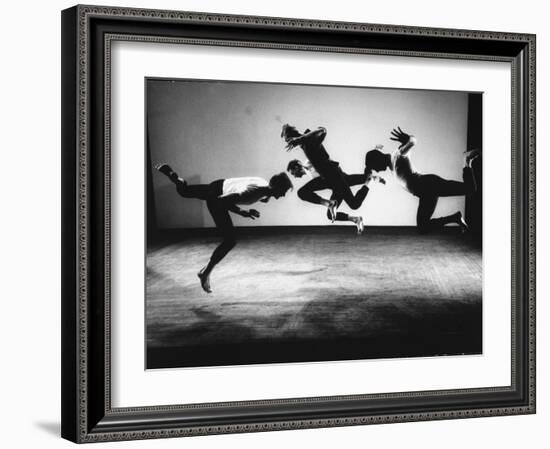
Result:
{"points": [[223, 222], [426, 208], [307, 193], [165, 169], [351, 180], [198, 191], [339, 184]]}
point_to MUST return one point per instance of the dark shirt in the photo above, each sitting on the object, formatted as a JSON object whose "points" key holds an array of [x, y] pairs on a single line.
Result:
{"points": [[319, 158]]}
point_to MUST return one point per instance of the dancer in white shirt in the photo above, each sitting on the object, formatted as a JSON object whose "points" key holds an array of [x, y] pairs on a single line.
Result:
{"points": [[225, 195]]}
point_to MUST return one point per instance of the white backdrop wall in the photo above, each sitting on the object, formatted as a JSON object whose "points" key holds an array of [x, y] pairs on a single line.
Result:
{"points": [[30, 237], [213, 130]]}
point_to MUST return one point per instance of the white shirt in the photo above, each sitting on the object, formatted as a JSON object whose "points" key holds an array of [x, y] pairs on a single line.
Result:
{"points": [[248, 190]]}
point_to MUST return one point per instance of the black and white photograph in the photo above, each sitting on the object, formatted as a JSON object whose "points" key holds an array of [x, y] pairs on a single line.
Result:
{"points": [[310, 223]]}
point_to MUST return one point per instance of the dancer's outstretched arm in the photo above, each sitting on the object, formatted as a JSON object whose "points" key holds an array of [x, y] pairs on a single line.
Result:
{"points": [[407, 141], [229, 202], [312, 138]]}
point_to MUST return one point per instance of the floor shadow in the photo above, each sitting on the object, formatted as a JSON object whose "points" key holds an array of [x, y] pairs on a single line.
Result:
{"points": [[419, 297], [359, 316], [345, 328], [212, 329]]}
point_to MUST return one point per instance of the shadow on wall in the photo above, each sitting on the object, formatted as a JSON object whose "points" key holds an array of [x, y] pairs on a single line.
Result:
{"points": [[194, 209]]}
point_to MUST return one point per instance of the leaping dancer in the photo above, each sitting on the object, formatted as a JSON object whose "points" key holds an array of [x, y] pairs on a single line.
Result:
{"points": [[225, 195], [332, 176], [298, 169], [428, 188]]}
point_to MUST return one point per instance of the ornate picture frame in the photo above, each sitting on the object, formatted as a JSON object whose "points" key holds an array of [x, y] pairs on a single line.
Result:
{"points": [[87, 35]]}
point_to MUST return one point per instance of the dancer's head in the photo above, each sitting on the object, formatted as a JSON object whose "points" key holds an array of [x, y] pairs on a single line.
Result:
{"points": [[295, 168], [289, 132], [376, 160], [280, 184]]}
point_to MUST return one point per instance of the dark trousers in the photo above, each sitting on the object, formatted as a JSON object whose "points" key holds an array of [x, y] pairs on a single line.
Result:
{"points": [[219, 212], [429, 188], [340, 184]]}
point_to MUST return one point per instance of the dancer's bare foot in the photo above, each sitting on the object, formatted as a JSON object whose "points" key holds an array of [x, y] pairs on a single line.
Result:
{"points": [[205, 280], [359, 223], [333, 204], [461, 223], [469, 156], [473, 159]]}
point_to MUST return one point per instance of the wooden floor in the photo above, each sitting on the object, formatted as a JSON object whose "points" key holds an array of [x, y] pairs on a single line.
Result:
{"points": [[315, 294]]}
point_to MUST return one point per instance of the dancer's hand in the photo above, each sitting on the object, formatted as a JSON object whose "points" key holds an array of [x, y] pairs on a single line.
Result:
{"points": [[293, 143], [375, 178], [252, 213], [400, 136]]}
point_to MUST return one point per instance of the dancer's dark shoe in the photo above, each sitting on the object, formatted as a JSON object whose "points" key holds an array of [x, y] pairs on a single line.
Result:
{"points": [[165, 169], [205, 280]]}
